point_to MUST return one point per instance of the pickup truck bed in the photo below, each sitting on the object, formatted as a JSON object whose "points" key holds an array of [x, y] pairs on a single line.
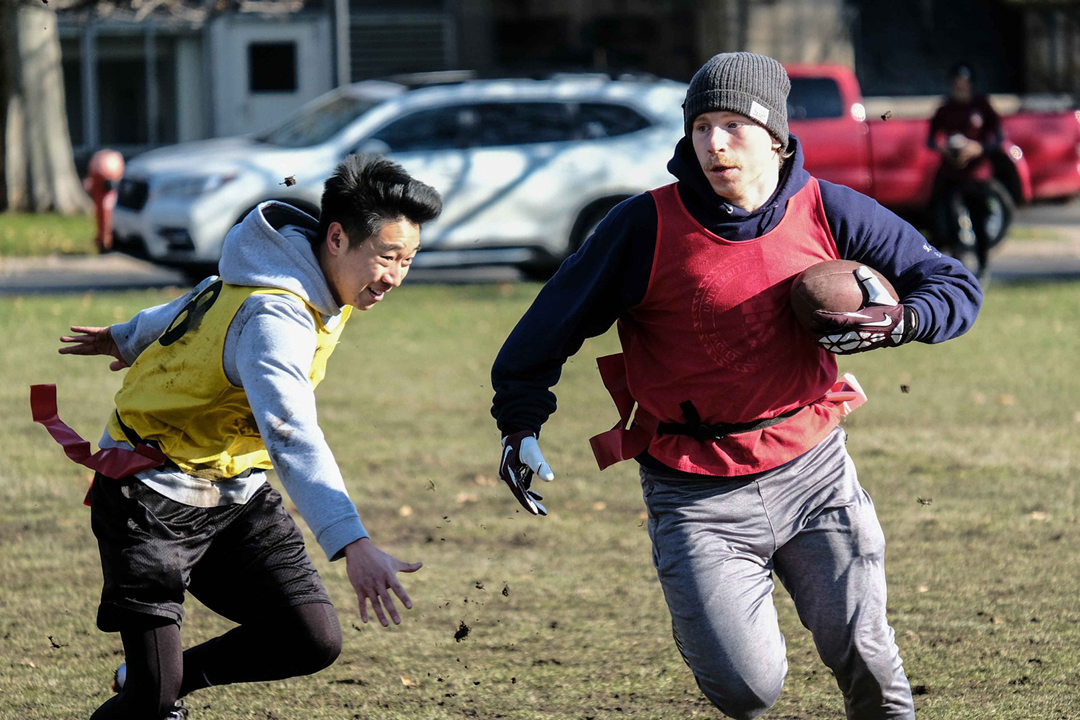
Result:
{"points": [[888, 160]]}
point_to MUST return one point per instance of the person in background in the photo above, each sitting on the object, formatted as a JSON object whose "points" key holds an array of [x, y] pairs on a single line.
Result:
{"points": [[965, 131]]}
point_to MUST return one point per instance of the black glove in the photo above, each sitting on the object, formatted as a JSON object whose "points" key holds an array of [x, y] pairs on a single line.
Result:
{"points": [[875, 326], [520, 459]]}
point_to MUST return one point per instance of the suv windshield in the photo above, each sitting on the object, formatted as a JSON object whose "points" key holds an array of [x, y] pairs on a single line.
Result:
{"points": [[318, 122]]}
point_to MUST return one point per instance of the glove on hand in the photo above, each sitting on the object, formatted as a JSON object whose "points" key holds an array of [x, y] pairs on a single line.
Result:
{"points": [[882, 323], [521, 458], [866, 329]]}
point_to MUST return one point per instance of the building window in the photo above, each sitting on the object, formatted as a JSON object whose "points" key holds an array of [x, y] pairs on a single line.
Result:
{"points": [[272, 67]]}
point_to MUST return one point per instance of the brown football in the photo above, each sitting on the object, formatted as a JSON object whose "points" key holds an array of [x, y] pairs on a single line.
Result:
{"points": [[832, 286]]}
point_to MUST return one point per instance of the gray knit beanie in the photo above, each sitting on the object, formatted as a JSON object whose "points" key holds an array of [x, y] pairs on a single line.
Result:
{"points": [[753, 85]]}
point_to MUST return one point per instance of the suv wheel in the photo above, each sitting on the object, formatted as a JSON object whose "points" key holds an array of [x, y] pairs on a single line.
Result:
{"points": [[195, 273], [542, 268]]}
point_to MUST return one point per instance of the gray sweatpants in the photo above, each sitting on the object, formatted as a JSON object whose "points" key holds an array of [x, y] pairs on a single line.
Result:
{"points": [[715, 546]]}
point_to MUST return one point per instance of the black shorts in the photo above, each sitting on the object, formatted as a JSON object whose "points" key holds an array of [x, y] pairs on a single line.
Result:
{"points": [[241, 561]]}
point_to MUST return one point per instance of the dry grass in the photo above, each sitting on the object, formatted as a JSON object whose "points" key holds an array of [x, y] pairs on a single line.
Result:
{"points": [[983, 580]]}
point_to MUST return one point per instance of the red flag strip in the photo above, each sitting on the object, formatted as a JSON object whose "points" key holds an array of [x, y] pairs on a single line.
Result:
{"points": [[110, 462]]}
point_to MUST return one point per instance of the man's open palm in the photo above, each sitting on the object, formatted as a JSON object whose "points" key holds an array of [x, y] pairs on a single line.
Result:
{"points": [[373, 574], [93, 341]]}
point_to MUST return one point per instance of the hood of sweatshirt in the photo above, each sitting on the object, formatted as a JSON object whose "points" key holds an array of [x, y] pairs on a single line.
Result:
{"points": [[271, 247], [720, 216]]}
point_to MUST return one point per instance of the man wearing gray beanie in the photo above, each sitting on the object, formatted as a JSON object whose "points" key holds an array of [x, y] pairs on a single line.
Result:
{"points": [[743, 464], [754, 86]]}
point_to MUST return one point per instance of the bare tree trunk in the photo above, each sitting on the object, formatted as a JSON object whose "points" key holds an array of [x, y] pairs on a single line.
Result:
{"points": [[9, 57], [38, 165]]}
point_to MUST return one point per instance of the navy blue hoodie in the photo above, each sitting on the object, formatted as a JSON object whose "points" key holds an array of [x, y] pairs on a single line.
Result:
{"points": [[610, 274]]}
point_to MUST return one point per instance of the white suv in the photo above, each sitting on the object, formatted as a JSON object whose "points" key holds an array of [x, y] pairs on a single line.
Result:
{"points": [[526, 167]]}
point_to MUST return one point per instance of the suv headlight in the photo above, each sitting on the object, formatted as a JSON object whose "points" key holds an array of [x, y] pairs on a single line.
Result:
{"points": [[193, 186]]}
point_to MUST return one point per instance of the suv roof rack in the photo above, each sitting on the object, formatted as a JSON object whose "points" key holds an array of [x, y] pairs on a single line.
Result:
{"points": [[455, 77], [432, 77]]}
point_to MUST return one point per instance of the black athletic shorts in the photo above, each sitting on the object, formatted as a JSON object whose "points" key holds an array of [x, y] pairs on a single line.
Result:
{"points": [[242, 560]]}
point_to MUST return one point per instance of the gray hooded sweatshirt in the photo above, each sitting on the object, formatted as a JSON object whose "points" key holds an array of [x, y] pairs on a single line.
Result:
{"points": [[268, 351]]}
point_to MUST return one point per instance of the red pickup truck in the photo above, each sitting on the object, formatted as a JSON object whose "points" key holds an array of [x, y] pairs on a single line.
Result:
{"points": [[888, 159]]}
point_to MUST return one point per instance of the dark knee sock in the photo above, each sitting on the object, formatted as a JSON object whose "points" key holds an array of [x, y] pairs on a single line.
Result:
{"points": [[154, 660], [296, 641]]}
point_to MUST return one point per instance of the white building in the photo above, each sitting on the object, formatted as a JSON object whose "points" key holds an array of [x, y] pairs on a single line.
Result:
{"points": [[187, 71]]}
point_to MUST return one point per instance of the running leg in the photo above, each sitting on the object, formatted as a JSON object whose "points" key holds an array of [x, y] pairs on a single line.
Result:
{"points": [[154, 671]]}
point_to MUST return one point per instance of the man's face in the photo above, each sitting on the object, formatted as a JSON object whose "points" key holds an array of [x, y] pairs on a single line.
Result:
{"points": [[961, 88], [736, 154], [360, 272]]}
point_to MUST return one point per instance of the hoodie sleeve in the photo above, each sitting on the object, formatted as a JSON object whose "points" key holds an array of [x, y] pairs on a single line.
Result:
{"points": [[273, 352], [944, 295], [135, 335], [592, 288]]}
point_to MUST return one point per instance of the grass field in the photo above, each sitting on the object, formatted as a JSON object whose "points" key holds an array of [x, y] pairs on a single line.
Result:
{"points": [[566, 617], [23, 234], [30, 235]]}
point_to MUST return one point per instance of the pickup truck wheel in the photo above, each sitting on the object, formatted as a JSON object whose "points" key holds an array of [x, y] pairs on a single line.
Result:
{"points": [[976, 218], [966, 249], [1000, 210]]}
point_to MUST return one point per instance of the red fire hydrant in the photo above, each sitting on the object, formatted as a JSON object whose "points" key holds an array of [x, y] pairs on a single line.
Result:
{"points": [[106, 169]]}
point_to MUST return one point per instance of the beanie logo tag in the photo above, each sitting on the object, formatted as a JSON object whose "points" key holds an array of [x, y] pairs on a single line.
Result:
{"points": [[759, 112]]}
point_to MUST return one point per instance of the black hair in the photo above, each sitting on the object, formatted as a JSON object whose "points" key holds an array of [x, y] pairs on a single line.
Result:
{"points": [[368, 191], [962, 69]]}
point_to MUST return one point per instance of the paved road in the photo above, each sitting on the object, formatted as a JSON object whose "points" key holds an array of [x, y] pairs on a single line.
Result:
{"points": [[1064, 215], [1036, 268], [1057, 258], [20, 276], [78, 273]]}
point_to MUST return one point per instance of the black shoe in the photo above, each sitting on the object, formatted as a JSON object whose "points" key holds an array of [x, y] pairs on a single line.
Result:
{"points": [[178, 712]]}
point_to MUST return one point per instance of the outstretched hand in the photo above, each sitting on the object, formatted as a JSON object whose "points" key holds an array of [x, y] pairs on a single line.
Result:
{"points": [[373, 573], [521, 459], [93, 341]]}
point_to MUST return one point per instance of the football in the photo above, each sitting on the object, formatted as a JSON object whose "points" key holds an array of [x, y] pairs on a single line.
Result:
{"points": [[838, 286]]}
